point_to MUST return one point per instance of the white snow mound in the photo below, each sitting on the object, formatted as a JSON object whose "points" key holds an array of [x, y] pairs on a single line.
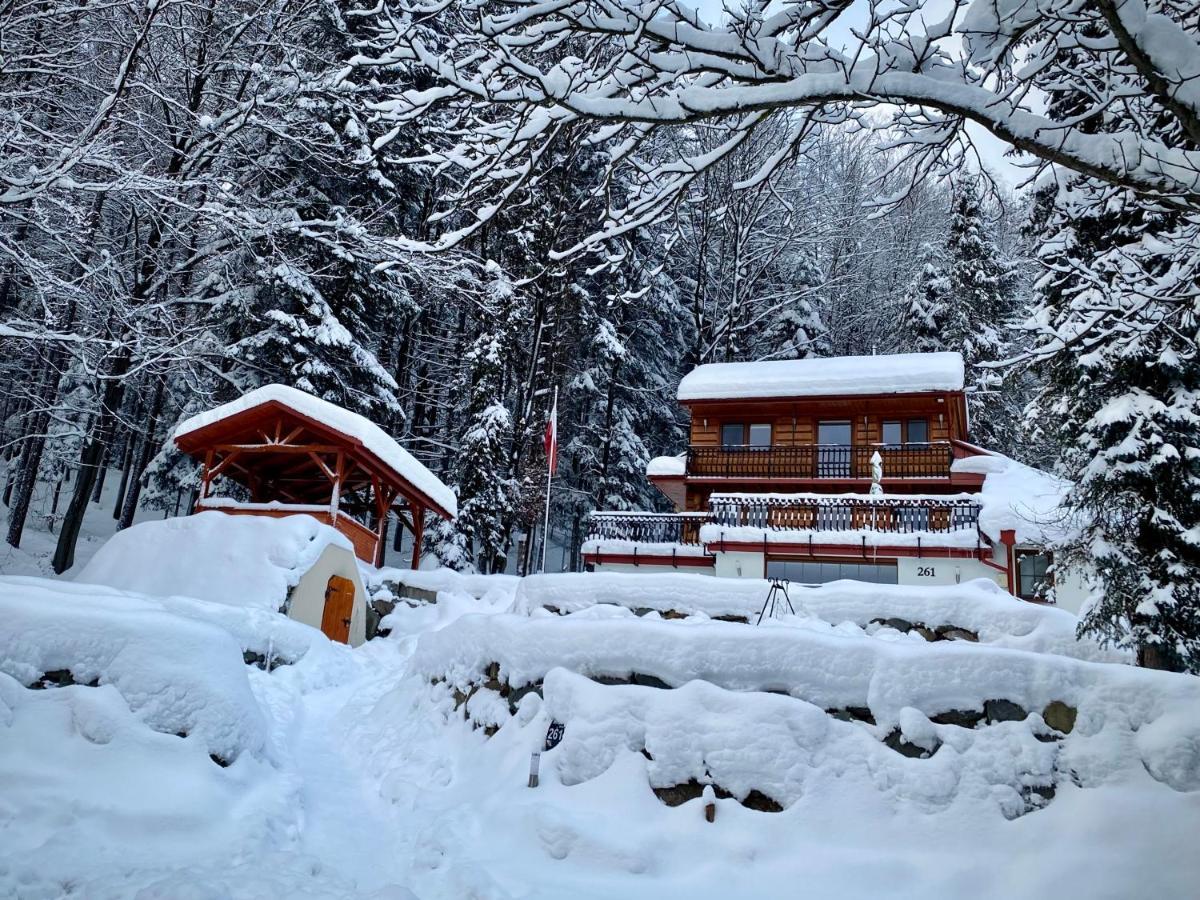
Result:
{"points": [[251, 561]]}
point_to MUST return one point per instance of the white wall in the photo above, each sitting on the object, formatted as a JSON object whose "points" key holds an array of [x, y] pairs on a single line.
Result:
{"points": [[739, 564], [306, 603], [942, 571]]}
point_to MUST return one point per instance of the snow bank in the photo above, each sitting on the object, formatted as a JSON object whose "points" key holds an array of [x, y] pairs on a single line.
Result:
{"points": [[746, 707], [980, 606], [176, 675], [829, 667], [251, 561], [440, 580], [898, 373], [370, 435], [666, 466]]}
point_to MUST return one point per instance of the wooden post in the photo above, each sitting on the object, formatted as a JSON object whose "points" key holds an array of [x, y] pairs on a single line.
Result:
{"points": [[206, 475], [418, 530], [335, 495]]}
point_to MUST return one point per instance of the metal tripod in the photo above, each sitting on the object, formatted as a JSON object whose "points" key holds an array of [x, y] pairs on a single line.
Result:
{"points": [[773, 602]]}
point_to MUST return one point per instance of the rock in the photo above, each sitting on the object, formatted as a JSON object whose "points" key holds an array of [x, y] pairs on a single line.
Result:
{"points": [[924, 631], [853, 714], [963, 718], [1003, 711], [52, 679], [1060, 716], [958, 634], [760, 802], [649, 681], [674, 614], [898, 624], [678, 794], [896, 741], [741, 620]]}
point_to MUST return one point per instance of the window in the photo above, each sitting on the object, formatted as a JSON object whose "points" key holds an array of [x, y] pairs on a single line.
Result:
{"points": [[737, 434], [918, 431], [760, 435], [1033, 575], [836, 433], [892, 433], [806, 571]]}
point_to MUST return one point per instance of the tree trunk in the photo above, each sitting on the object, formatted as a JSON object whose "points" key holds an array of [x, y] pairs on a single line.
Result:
{"points": [[89, 464], [126, 463], [129, 507]]}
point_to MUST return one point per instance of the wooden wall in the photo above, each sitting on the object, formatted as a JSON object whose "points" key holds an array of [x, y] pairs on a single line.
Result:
{"points": [[795, 422]]}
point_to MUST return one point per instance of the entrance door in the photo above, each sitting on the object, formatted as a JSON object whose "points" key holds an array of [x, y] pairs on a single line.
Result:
{"points": [[833, 450], [339, 607]]}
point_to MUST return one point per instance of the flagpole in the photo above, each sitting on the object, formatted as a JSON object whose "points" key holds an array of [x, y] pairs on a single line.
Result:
{"points": [[549, 477]]}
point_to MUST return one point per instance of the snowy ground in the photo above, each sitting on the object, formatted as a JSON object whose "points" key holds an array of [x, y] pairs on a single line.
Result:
{"points": [[165, 766]]}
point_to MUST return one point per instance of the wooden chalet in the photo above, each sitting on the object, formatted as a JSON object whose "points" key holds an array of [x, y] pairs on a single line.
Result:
{"points": [[819, 469], [293, 453]]}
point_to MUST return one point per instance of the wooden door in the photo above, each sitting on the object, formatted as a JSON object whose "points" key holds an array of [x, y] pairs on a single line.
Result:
{"points": [[339, 607]]}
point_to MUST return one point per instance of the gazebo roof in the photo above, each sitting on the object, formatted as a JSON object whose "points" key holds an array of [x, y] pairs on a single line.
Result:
{"points": [[361, 438]]}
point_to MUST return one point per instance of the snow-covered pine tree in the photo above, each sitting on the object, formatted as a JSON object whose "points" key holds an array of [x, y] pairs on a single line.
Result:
{"points": [[478, 536], [1115, 336], [926, 303]]}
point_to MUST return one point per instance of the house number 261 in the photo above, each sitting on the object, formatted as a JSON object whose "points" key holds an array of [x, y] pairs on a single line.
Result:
{"points": [[926, 572]]}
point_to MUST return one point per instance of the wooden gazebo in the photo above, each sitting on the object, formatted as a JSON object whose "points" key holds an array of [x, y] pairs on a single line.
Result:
{"points": [[297, 454]]}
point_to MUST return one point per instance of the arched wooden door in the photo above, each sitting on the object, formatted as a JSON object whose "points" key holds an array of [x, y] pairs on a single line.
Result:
{"points": [[339, 608]]}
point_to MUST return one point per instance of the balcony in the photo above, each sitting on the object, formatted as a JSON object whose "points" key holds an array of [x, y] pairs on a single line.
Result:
{"points": [[815, 512], [928, 516], [647, 527], [820, 461]]}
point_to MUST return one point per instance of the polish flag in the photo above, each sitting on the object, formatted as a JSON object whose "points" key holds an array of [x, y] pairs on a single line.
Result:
{"points": [[550, 441]]}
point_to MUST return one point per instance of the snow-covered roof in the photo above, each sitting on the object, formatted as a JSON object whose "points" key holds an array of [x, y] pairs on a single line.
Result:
{"points": [[1018, 497], [666, 466], [373, 438], [899, 373]]}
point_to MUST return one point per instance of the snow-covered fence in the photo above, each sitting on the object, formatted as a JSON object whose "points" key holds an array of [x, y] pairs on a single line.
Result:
{"points": [[823, 512]]}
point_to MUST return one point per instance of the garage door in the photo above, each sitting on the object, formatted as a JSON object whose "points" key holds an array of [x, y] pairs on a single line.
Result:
{"points": [[807, 571]]}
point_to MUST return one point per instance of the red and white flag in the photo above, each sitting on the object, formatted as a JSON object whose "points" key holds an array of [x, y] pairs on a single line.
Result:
{"points": [[550, 441]]}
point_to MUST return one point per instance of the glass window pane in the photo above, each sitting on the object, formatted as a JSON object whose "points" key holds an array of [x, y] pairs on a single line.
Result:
{"points": [[918, 431], [760, 435], [732, 434], [837, 433], [891, 433]]}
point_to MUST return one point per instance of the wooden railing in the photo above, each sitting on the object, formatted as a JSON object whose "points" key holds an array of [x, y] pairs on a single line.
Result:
{"points": [[890, 514], [647, 528], [821, 461]]}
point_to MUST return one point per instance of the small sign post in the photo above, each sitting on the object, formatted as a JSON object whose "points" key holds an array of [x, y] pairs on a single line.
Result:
{"points": [[554, 736]]}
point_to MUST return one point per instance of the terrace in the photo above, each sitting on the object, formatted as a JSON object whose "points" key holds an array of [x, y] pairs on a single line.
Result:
{"points": [[821, 461], [957, 515]]}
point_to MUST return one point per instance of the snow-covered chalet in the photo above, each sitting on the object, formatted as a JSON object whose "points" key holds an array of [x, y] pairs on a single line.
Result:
{"points": [[848, 467]]}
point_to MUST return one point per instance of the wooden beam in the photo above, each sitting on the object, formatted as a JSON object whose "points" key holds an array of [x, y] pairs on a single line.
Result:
{"points": [[418, 514], [224, 464]]}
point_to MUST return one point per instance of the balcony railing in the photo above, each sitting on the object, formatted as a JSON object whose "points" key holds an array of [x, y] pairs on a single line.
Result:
{"points": [[897, 515], [818, 461], [647, 528]]}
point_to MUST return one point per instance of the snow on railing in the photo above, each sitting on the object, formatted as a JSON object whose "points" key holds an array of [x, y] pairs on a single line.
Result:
{"points": [[846, 512]]}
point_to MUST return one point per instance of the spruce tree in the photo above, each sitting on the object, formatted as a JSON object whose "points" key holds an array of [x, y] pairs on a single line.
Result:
{"points": [[478, 536], [927, 302]]}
